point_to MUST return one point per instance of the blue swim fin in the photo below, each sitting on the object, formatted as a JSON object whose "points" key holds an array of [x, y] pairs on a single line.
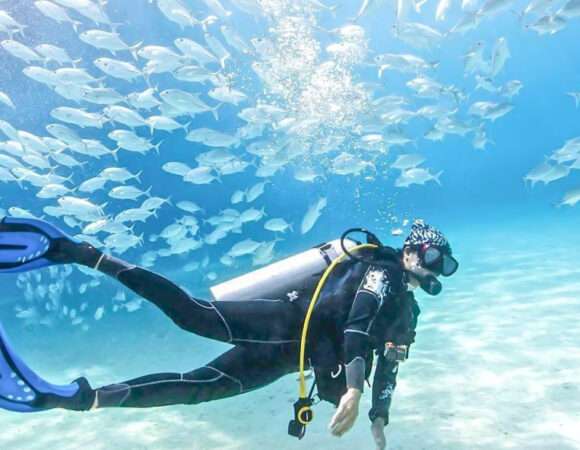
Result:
{"points": [[24, 244], [22, 390]]}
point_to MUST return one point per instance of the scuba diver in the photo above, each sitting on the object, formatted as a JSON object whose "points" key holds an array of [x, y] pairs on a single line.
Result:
{"points": [[355, 303]]}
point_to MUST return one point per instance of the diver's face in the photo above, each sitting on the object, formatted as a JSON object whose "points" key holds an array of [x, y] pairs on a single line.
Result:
{"points": [[412, 263]]}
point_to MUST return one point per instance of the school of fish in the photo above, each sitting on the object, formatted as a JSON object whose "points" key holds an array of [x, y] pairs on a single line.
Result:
{"points": [[299, 103]]}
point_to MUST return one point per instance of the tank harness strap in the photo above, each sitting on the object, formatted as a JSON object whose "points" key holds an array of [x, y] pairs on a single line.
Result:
{"points": [[324, 251], [326, 257]]}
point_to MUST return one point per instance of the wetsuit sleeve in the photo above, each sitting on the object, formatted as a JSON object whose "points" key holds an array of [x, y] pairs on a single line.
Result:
{"points": [[384, 384], [367, 302], [385, 379]]}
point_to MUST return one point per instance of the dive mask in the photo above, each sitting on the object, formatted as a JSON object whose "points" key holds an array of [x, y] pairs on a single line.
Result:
{"points": [[437, 260]]}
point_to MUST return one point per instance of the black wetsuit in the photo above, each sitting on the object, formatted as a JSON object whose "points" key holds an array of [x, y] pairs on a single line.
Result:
{"points": [[360, 308]]}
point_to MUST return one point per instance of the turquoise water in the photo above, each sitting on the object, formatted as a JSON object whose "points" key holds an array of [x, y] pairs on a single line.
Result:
{"points": [[495, 361]]}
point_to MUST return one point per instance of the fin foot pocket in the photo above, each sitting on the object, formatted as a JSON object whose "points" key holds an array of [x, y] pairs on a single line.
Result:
{"points": [[25, 244], [22, 390]]}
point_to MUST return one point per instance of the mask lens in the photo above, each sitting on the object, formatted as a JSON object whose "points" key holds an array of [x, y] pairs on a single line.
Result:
{"points": [[431, 256], [449, 265]]}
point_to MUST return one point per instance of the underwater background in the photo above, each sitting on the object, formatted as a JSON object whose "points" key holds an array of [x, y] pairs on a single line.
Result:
{"points": [[325, 112]]}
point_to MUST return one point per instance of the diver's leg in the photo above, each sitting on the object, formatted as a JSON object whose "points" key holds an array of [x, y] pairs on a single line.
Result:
{"points": [[252, 321], [239, 370], [197, 316]]}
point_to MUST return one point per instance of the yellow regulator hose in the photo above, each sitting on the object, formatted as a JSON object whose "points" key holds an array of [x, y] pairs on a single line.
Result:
{"points": [[319, 286]]}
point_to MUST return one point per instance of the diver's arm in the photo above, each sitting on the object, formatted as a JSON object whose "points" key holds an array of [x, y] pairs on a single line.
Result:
{"points": [[385, 378], [384, 383], [368, 299], [367, 302]]}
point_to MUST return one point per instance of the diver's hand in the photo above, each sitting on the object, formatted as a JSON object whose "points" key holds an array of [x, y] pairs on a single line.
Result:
{"points": [[346, 414], [378, 431]]}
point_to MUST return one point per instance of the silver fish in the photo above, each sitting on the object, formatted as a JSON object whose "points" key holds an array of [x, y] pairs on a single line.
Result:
{"points": [[416, 175], [212, 138], [4, 98], [108, 41], [118, 69], [78, 117], [245, 247], [56, 13], [56, 54], [128, 193], [200, 175], [312, 215], [195, 51], [20, 51]]}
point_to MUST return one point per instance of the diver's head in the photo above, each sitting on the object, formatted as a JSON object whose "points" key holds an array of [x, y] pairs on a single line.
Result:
{"points": [[427, 255]]}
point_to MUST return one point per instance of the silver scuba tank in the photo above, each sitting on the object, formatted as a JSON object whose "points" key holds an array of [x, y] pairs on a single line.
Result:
{"points": [[290, 276]]}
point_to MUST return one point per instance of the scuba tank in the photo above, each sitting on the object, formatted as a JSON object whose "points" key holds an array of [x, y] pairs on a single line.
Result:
{"points": [[275, 281]]}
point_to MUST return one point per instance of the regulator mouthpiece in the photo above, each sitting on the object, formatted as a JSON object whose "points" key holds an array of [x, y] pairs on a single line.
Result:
{"points": [[430, 284]]}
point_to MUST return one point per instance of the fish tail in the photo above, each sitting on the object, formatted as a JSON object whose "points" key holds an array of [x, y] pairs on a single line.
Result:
{"points": [[19, 182], [147, 78], [138, 176], [382, 69], [214, 112], [75, 24], [205, 22], [133, 49], [156, 147], [519, 15], [436, 177], [115, 25]]}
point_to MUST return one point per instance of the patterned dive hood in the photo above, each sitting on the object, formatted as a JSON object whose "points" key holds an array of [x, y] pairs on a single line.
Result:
{"points": [[422, 233]]}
